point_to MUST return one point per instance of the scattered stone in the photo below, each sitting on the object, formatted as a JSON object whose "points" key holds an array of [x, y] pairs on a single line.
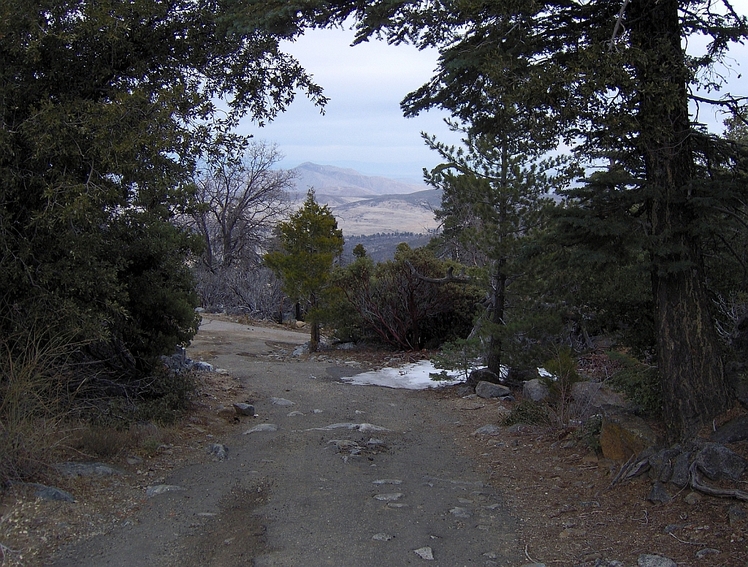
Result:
{"points": [[389, 497], [219, 451], [535, 390], [490, 390], [488, 430], [152, 491], [301, 350], [345, 445], [460, 512], [283, 402], [646, 560], [244, 409], [424, 553], [86, 469], [692, 498], [707, 551], [736, 515], [681, 470], [294, 413], [381, 536], [717, 461], [262, 427], [373, 442], [53, 494], [346, 346], [134, 460], [662, 462], [202, 366], [624, 434], [317, 411], [396, 505], [658, 494], [733, 431], [363, 427], [387, 481]]}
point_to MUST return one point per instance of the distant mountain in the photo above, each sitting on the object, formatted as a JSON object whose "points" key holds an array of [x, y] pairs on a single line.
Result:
{"points": [[336, 181], [366, 205]]}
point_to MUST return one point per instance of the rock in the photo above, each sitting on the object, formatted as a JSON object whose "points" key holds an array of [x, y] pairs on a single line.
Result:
{"points": [[535, 390], [301, 350], [732, 431], [491, 390], [692, 498], [645, 560], [661, 464], [152, 491], [736, 515], [86, 469], [460, 512], [382, 537], [202, 366], [424, 553], [53, 494], [681, 470], [482, 375], [717, 461], [283, 402], [244, 409], [228, 414], [706, 552], [220, 452], [387, 481], [658, 494], [595, 395], [623, 434], [488, 430], [389, 497], [262, 427]]}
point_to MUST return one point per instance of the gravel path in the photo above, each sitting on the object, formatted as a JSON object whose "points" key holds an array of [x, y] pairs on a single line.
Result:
{"points": [[335, 475]]}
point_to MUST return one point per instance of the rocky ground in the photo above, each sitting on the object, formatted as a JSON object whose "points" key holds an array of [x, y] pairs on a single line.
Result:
{"points": [[544, 497]]}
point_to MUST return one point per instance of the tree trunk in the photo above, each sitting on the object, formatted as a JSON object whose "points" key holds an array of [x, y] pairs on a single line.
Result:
{"points": [[495, 343], [693, 384]]}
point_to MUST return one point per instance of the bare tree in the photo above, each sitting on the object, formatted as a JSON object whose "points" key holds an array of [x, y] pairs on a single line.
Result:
{"points": [[241, 199]]}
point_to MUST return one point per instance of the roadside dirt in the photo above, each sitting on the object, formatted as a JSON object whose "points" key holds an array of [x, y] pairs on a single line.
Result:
{"points": [[305, 495]]}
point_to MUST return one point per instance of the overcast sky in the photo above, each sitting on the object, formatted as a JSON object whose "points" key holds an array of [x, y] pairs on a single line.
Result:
{"points": [[363, 127]]}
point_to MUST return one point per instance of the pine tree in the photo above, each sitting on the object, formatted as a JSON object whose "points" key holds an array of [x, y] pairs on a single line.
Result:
{"points": [[310, 242]]}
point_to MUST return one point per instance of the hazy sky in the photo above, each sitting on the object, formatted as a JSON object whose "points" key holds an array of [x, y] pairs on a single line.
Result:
{"points": [[363, 127]]}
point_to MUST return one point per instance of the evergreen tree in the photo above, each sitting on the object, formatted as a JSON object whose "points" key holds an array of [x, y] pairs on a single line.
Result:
{"points": [[105, 107], [613, 80], [310, 242]]}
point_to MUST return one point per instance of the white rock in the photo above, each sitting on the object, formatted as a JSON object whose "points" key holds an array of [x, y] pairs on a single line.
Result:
{"points": [[424, 553]]}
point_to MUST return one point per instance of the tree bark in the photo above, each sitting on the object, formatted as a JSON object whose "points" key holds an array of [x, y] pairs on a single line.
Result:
{"points": [[694, 389]]}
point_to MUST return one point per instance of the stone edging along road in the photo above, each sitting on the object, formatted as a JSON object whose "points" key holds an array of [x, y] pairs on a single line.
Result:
{"points": [[327, 474]]}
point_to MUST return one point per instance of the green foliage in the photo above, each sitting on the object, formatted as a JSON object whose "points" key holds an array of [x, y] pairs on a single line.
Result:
{"points": [[310, 242], [529, 413], [460, 354], [405, 302], [105, 108], [639, 382]]}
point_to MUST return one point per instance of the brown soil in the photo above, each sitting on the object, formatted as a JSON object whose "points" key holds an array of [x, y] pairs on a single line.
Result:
{"points": [[555, 486]]}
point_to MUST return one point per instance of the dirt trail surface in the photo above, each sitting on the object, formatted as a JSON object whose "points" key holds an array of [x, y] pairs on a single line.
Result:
{"points": [[326, 474]]}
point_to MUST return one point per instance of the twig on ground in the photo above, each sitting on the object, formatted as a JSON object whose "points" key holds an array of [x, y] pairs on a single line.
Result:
{"points": [[527, 554], [687, 542], [5, 549]]}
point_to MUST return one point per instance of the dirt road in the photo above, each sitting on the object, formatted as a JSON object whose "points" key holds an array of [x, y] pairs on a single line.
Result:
{"points": [[327, 474]]}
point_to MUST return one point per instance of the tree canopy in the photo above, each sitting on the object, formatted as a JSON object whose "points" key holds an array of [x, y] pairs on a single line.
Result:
{"points": [[310, 242], [613, 81], [105, 108]]}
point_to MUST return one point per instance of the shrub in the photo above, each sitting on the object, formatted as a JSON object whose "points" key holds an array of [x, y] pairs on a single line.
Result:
{"points": [[638, 381], [529, 413]]}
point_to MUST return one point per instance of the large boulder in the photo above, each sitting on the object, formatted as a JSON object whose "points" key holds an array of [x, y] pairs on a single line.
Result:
{"points": [[624, 434], [595, 395], [535, 390], [717, 461], [490, 390], [482, 375]]}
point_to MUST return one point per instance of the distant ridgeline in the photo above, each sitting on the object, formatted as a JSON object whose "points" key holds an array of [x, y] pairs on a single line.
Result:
{"points": [[381, 247]]}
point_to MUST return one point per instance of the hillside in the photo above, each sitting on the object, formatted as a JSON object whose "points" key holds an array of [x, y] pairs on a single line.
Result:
{"points": [[366, 205]]}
